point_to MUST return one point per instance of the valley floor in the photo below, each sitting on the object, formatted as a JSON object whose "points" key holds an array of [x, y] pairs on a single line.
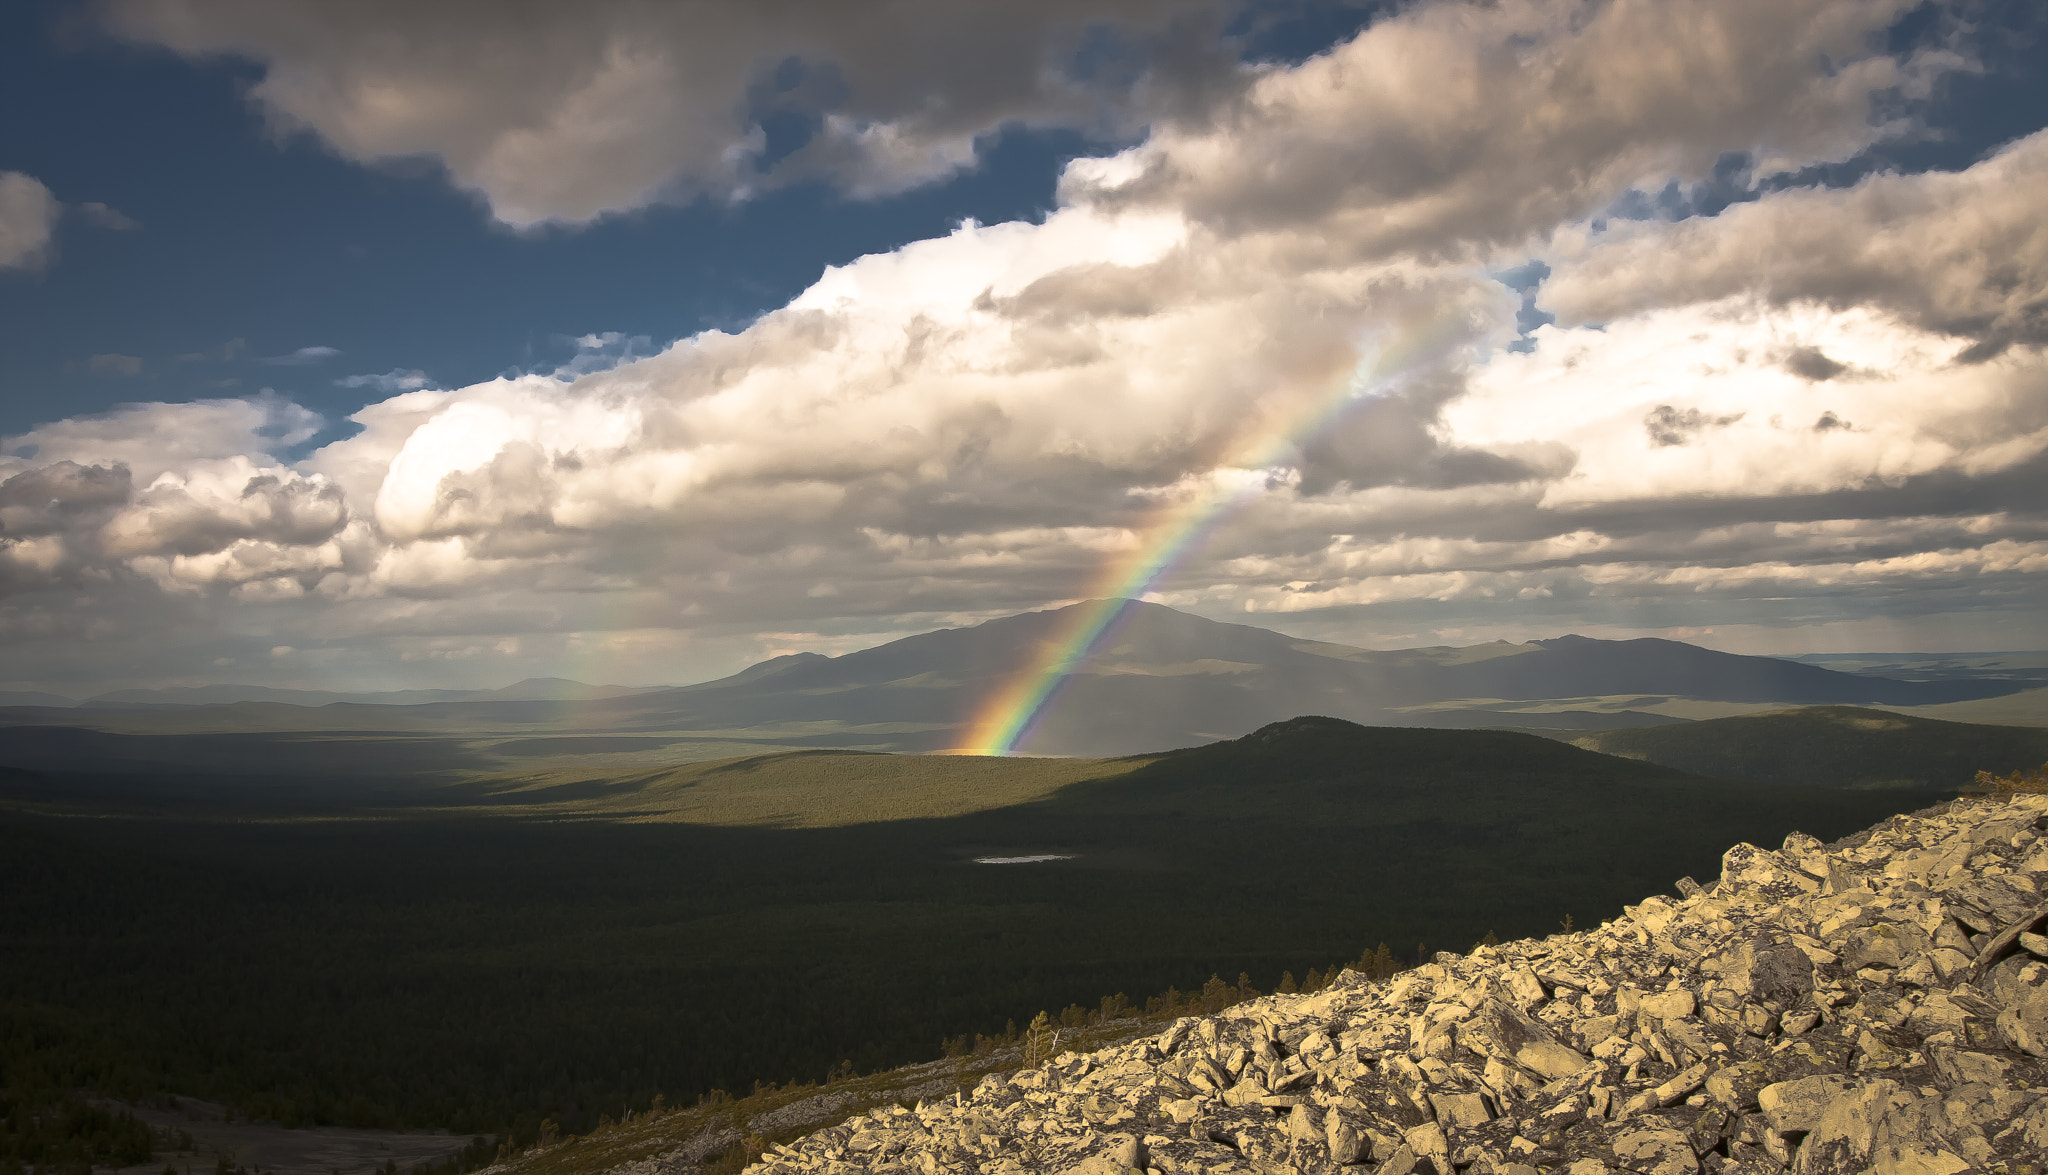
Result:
{"points": [[215, 1135]]}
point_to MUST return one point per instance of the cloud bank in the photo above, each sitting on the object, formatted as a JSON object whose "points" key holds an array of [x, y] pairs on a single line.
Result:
{"points": [[1818, 405], [563, 113]]}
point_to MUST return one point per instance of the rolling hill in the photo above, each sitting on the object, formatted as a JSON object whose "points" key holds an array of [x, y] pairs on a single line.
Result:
{"points": [[1831, 746]]}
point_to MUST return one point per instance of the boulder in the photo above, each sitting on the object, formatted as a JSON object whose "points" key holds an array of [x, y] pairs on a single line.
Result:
{"points": [[1841, 1139], [1797, 1106], [1654, 1148], [1760, 875]]}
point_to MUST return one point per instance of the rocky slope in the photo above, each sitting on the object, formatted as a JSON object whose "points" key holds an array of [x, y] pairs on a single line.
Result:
{"points": [[1879, 1004]]}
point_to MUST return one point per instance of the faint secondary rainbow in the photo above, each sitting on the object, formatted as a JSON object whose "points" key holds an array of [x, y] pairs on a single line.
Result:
{"points": [[1176, 531]]}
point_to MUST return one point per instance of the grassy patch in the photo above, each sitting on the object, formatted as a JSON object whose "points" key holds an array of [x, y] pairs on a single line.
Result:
{"points": [[807, 789]]}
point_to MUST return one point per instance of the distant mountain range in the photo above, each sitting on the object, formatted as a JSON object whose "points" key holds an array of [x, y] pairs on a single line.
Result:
{"points": [[1161, 679], [35, 698], [1165, 678], [531, 690]]}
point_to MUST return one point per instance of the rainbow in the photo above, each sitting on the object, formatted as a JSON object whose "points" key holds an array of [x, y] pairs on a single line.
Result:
{"points": [[1176, 530]]}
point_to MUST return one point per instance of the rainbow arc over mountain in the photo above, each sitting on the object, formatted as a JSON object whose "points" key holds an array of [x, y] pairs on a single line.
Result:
{"points": [[1005, 721]]}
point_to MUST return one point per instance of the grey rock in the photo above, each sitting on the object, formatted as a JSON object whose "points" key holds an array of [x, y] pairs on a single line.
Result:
{"points": [[1427, 1141], [1402, 1161], [1460, 1111], [1797, 1022], [1841, 1139], [1654, 1148], [1761, 875], [1780, 972], [1883, 945], [1342, 1140], [1525, 989], [1798, 1105]]}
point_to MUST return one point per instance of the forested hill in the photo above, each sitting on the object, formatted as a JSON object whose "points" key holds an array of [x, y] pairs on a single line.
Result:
{"points": [[1830, 746]]}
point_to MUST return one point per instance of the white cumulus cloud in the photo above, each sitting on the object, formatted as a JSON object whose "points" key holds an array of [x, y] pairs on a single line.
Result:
{"points": [[28, 220], [1964, 253]]}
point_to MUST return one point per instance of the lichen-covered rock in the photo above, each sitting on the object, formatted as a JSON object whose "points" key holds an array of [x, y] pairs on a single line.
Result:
{"points": [[1876, 1005]]}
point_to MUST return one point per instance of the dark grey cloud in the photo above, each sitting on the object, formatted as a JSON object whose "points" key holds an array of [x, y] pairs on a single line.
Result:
{"points": [[1829, 422], [52, 498], [1812, 363], [1397, 439], [564, 113], [1670, 426]]}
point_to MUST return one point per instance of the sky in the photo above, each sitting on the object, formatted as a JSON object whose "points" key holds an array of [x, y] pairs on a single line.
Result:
{"points": [[373, 344]]}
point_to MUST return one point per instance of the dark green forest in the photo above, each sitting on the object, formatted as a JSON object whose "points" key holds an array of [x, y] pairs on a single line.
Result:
{"points": [[66, 1133], [310, 955]]}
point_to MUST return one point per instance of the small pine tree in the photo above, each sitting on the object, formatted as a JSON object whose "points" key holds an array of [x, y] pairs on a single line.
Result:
{"points": [[752, 1147], [1040, 1039], [1383, 963], [1287, 985], [1216, 995]]}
